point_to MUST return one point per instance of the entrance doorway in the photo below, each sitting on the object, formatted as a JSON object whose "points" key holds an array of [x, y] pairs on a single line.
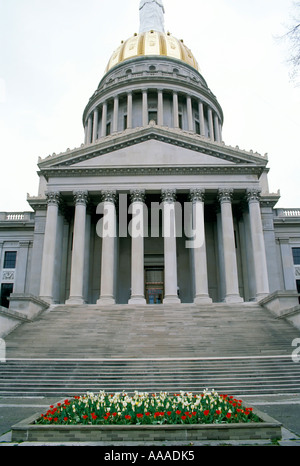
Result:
{"points": [[154, 284], [6, 290]]}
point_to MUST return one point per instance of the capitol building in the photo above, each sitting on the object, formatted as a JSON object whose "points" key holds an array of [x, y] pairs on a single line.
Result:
{"points": [[153, 208]]}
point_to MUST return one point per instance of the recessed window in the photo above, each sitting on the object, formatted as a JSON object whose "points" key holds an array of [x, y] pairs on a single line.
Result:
{"points": [[153, 116], [10, 259], [296, 256], [108, 129], [180, 120]]}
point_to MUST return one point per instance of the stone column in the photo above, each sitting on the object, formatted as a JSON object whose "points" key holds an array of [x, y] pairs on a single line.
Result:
{"points": [[199, 251], [78, 251], [89, 130], [50, 239], [145, 107], [22, 260], [189, 113], [170, 257], [129, 110], [108, 234], [137, 247], [85, 133], [160, 108], [95, 125], [210, 124], [217, 128], [104, 119], [116, 114], [220, 131], [230, 263], [258, 244], [175, 110], [201, 119]]}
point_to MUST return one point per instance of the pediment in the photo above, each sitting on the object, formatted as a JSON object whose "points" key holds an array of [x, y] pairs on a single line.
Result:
{"points": [[149, 149], [152, 153]]}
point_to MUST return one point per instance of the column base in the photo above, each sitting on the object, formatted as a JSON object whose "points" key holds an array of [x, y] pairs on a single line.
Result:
{"points": [[106, 301], [75, 300], [171, 300], [137, 300], [47, 299], [233, 299], [202, 299]]}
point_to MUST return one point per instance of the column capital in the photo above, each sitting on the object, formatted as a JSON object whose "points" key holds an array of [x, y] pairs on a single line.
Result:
{"points": [[197, 194], [225, 194], [168, 195], [53, 198], [109, 196], [253, 195], [137, 195], [80, 197]]}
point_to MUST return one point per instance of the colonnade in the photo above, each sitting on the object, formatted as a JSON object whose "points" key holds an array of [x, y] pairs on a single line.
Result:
{"points": [[109, 250], [200, 117]]}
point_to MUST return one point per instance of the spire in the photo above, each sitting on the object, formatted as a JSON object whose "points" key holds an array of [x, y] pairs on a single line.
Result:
{"points": [[151, 16]]}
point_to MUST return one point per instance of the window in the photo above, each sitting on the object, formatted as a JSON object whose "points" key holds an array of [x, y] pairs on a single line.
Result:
{"points": [[6, 290], [296, 256], [153, 116], [180, 120], [10, 260], [108, 129]]}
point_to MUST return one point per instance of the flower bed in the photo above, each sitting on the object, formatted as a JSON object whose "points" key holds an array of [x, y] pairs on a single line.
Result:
{"points": [[147, 417], [146, 409]]}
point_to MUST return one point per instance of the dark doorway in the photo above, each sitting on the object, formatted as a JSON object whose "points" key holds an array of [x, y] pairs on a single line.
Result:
{"points": [[6, 290], [154, 284]]}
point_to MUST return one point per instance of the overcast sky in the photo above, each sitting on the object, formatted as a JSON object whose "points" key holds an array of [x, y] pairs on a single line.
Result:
{"points": [[54, 52]]}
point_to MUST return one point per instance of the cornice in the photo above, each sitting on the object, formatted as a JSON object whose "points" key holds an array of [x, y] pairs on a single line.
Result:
{"points": [[135, 136], [182, 170]]}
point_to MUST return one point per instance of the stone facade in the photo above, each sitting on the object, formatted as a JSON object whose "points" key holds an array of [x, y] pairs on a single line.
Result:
{"points": [[153, 207]]}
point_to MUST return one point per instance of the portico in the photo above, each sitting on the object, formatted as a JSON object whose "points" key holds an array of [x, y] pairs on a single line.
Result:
{"points": [[169, 231]]}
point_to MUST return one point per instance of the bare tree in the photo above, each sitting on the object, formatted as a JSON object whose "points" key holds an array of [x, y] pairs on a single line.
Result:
{"points": [[293, 38]]}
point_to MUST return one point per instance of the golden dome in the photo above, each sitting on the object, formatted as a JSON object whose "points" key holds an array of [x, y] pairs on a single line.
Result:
{"points": [[152, 43]]}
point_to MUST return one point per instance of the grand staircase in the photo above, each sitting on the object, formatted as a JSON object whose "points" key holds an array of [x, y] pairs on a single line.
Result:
{"points": [[237, 349]]}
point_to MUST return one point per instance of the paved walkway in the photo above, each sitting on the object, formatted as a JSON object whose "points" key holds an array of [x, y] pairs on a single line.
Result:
{"points": [[283, 408]]}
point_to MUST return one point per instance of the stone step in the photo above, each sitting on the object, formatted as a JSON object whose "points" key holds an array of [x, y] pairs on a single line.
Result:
{"points": [[68, 350], [188, 331], [66, 378]]}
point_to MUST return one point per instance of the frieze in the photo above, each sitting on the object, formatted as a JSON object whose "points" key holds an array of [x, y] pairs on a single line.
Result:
{"points": [[159, 171]]}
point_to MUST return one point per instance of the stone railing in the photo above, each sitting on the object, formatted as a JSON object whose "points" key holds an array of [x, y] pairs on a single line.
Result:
{"points": [[16, 216], [288, 212]]}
